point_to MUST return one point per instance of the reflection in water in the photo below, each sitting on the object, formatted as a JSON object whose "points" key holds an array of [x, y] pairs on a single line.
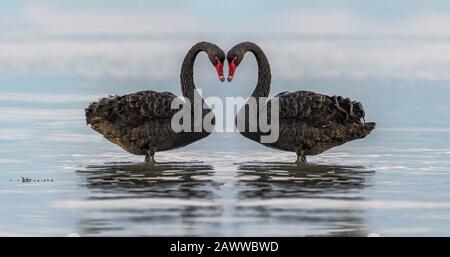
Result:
{"points": [[407, 195], [195, 199], [300, 195], [140, 198], [269, 180], [180, 180]]}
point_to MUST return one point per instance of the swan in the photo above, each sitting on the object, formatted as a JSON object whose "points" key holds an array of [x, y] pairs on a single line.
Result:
{"points": [[309, 123], [140, 122]]}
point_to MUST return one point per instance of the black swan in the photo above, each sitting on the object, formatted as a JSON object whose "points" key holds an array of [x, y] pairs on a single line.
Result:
{"points": [[140, 122], [309, 123]]}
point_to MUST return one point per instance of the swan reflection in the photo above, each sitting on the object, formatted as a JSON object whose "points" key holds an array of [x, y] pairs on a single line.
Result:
{"points": [[143, 198], [168, 199], [303, 197], [170, 179], [290, 180]]}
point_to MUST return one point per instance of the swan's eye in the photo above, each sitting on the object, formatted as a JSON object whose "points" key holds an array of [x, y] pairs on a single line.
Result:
{"points": [[234, 60], [218, 59]]}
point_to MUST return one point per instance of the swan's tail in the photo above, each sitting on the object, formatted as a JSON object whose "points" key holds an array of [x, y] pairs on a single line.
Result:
{"points": [[361, 130], [356, 115], [369, 126], [348, 132], [103, 110]]}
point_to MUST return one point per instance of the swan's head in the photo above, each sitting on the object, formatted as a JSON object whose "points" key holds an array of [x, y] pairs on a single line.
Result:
{"points": [[234, 58], [217, 58]]}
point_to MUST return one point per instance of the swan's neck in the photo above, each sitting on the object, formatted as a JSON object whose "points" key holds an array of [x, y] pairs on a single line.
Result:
{"points": [[187, 71], [264, 77]]}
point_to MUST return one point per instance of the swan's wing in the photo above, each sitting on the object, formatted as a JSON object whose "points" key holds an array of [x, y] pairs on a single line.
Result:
{"points": [[317, 109], [133, 109]]}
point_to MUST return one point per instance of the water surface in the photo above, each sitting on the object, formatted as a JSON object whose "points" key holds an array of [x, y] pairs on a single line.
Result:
{"points": [[394, 182]]}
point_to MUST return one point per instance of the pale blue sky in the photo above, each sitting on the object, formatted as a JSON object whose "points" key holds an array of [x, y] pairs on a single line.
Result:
{"points": [[403, 39], [226, 12], [400, 6]]}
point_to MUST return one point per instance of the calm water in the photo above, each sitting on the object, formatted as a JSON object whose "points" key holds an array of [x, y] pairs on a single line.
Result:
{"points": [[395, 182]]}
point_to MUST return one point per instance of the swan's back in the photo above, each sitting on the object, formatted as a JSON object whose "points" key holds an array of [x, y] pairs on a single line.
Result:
{"points": [[132, 109], [315, 122], [135, 120], [319, 110]]}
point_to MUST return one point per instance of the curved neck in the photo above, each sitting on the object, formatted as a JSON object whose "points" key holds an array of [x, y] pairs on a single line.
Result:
{"points": [[187, 70], [264, 77]]}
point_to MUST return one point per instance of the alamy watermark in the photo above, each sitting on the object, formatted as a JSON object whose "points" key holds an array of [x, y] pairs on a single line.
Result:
{"points": [[223, 118]]}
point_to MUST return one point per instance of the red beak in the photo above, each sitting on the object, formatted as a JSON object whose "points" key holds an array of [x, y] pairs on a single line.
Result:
{"points": [[219, 69], [231, 69]]}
